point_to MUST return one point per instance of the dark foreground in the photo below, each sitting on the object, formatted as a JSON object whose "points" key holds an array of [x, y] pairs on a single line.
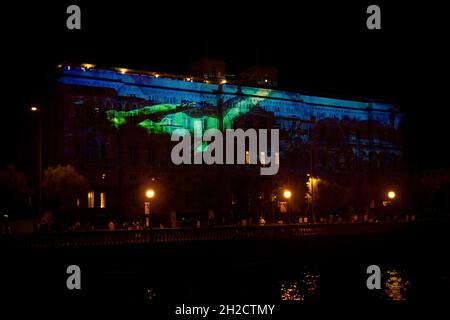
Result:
{"points": [[314, 274]]}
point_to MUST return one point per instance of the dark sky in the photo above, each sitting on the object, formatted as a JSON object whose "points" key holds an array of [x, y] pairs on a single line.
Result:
{"points": [[322, 48]]}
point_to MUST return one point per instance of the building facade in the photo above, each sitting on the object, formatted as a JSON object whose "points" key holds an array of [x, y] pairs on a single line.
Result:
{"points": [[114, 127]]}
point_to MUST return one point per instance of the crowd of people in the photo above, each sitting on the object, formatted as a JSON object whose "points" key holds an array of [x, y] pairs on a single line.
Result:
{"points": [[46, 224]]}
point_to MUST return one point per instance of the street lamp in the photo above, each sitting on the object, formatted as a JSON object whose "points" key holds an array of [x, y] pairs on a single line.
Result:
{"points": [[310, 184], [389, 203], [150, 193], [287, 194], [37, 111], [391, 195]]}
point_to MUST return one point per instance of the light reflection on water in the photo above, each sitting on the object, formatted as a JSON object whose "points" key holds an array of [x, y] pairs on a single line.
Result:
{"points": [[151, 293], [304, 288], [396, 285]]}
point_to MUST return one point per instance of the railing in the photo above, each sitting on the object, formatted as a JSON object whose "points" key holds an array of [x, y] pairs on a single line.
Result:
{"points": [[219, 233]]}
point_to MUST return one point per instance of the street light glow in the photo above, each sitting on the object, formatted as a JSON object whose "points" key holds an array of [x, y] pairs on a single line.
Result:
{"points": [[150, 193], [34, 109], [88, 65], [391, 194], [287, 194]]}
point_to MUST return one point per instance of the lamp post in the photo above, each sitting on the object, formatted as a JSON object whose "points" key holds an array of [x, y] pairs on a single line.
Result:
{"points": [[38, 113], [391, 195], [311, 166], [287, 194], [150, 193], [313, 217], [310, 184]]}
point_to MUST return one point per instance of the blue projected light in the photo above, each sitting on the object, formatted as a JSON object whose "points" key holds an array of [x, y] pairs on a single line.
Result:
{"points": [[171, 104]]}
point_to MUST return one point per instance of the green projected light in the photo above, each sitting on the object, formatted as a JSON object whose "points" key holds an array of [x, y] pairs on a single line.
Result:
{"points": [[165, 118], [118, 118], [245, 104]]}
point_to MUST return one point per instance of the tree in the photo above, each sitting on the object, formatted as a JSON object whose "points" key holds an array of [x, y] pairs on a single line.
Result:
{"points": [[61, 187], [330, 198], [14, 191]]}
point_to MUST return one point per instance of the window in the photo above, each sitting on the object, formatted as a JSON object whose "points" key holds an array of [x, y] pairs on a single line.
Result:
{"points": [[102, 200], [103, 151], [262, 158], [132, 153], [151, 155], [91, 147], [247, 157], [198, 126], [133, 119], [77, 151], [77, 112], [92, 113], [91, 203]]}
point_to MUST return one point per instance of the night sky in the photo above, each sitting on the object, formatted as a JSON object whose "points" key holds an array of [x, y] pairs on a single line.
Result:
{"points": [[320, 49]]}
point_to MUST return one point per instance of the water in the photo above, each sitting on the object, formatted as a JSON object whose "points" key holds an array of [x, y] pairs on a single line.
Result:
{"points": [[305, 288], [290, 275], [397, 286]]}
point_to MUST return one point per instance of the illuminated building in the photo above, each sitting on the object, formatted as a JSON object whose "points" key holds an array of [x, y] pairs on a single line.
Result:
{"points": [[114, 126]]}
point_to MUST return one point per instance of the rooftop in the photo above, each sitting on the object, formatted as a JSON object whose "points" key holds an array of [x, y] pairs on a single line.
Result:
{"points": [[143, 78]]}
